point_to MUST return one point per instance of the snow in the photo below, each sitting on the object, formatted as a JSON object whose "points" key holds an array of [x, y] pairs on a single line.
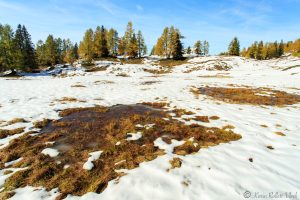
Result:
{"points": [[134, 136], [12, 162], [88, 165], [223, 171], [50, 152]]}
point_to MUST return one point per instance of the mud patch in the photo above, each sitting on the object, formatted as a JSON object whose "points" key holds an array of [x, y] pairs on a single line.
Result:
{"points": [[82, 131]]}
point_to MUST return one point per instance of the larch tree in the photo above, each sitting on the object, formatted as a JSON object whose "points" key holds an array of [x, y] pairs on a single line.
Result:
{"points": [[100, 42], [86, 46], [205, 47], [112, 42], [133, 47]]}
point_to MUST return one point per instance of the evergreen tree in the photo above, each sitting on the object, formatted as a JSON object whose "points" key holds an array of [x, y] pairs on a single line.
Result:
{"points": [[133, 47], [142, 49], [128, 36], [281, 49], [24, 54], [86, 46], [205, 47], [41, 53], [112, 41], [189, 50], [50, 51], [6, 47], [234, 47], [152, 51], [198, 48], [259, 52], [75, 51], [100, 43], [121, 46], [177, 47]]}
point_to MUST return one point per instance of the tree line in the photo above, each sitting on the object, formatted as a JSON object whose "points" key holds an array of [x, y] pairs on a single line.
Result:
{"points": [[264, 50], [169, 45]]}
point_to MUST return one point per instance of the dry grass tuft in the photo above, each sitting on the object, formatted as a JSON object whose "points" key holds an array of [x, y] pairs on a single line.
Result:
{"points": [[132, 61], [65, 100], [156, 104], [41, 124], [202, 119], [214, 117], [5, 133], [175, 163], [280, 133], [172, 63], [78, 86], [16, 120], [84, 130], [270, 147], [264, 126], [254, 96], [180, 112]]}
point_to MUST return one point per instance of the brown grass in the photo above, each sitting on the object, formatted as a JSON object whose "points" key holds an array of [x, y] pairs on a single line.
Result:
{"points": [[78, 86], [132, 61], [280, 133], [85, 130], [214, 117], [270, 147], [156, 104], [69, 99], [41, 124], [180, 112], [172, 63], [5, 133], [15, 121], [253, 96], [161, 70], [202, 119], [175, 163]]}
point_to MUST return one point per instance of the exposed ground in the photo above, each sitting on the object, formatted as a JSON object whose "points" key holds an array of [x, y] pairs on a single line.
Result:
{"points": [[256, 99]]}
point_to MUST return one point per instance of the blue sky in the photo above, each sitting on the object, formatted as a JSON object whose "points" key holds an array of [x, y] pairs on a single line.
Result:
{"points": [[217, 21]]}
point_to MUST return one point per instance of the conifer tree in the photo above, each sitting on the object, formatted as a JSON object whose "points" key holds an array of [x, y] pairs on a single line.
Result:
{"points": [[281, 49], [86, 46], [142, 49], [41, 53], [6, 47], [177, 46], [205, 47], [198, 48], [112, 42], [133, 47], [50, 51], [75, 51], [189, 50], [234, 47], [259, 51], [128, 36], [24, 54], [100, 43], [121, 46]]}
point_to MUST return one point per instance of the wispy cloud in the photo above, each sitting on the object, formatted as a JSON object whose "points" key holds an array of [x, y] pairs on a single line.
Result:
{"points": [[139, 8]]}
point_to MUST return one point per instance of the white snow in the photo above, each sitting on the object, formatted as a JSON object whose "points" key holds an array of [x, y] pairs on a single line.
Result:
{"points": [[12, 162], [220, 172], [134, 136], [50, 152], [88, 165]]}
